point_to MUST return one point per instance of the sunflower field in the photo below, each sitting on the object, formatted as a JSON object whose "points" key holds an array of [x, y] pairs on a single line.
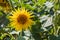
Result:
{"points": [[29, 19]]}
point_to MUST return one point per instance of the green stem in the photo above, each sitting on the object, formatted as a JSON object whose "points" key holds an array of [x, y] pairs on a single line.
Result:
{"points": [[20, 35]]}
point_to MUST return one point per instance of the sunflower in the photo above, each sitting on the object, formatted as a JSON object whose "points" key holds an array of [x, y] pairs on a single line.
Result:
{"points": [[21, 19]]}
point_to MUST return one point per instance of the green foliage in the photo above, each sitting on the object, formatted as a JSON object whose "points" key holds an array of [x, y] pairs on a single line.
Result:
{"points": [[1, 14]]}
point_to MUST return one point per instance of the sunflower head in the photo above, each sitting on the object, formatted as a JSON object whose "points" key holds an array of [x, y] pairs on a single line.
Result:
{"points": [[21, 19]]}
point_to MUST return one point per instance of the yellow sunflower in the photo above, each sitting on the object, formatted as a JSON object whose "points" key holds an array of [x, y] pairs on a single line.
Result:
{"points": [[21, 19]]}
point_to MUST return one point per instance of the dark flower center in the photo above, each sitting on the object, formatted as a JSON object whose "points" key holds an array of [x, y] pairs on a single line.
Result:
{"points": [[22, 19]]}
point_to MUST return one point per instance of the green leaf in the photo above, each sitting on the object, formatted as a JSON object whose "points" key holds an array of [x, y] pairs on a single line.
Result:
{"points": [[56, 6], [41, 2], [1, 13], [29, 7], [15, 0]]}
